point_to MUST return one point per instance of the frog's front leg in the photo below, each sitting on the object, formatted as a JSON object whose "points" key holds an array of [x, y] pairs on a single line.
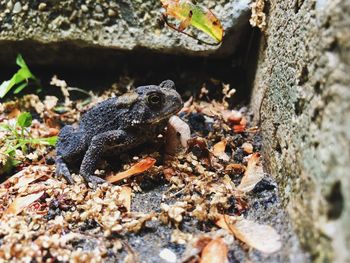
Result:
{"points": [[98, 145]]}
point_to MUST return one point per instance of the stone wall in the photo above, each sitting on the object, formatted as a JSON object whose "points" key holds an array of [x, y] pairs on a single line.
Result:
{"points": [[301, 98], [122, 25]]}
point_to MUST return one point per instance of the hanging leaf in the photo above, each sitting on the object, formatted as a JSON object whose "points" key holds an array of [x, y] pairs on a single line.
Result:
{"points": [[199, 17]]}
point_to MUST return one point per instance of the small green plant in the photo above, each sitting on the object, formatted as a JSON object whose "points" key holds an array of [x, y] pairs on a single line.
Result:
{"points": [[19, 80], [18, 136]]}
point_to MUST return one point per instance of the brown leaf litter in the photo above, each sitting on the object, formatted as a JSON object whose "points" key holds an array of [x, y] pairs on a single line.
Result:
{"points": [[211, 166]]}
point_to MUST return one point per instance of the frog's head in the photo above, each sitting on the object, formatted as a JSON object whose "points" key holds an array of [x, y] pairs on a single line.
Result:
{"points": [[157, 103]]}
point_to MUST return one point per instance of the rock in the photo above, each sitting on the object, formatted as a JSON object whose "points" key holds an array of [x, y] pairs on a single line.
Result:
{"points": [[42, 6], [17, 8], [98, 9], [9, 5], [84, 8], [111, 13], [136, 27], [301, 97]]}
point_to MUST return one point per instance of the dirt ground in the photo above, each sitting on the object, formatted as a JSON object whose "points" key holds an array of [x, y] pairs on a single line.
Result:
{"points": [[169, 212]]}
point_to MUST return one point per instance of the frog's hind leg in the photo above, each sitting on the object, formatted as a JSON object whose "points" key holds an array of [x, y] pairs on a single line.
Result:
{"points": [[70, 147]]}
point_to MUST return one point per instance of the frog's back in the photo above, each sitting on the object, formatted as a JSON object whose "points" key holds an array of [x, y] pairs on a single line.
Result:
{"points": [[105, 116]]}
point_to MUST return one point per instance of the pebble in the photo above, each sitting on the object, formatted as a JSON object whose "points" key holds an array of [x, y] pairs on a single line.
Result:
{"points": [[17, 8], [9, 5], [111, 13], [98, 9], [247, 147], [84, 8], [42, 6], [168, 255]]}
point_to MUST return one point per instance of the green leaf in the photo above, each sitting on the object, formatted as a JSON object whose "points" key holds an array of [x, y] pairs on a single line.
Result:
{"points": [[23, 74], [24, 147], [20, 61], [15, 162], [11, 151], [5, 127], [24, 71], [20, 88], [24, 119], [61, 109], [49, 141], [6, 87], [43, 141]]}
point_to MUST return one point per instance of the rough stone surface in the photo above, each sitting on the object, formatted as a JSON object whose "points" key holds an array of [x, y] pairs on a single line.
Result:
{"points": [[121, 25], [302, 100]]}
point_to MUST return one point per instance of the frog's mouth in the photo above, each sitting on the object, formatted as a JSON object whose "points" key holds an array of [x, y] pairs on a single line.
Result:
{"points": [[164, 117]]}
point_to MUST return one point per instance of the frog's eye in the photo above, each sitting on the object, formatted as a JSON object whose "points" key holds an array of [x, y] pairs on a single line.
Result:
{"points": [[154, 99]]}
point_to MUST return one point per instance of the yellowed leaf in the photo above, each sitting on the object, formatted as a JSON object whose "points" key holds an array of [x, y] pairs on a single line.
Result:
{"points": [[261, 237], [199, 17], [252, 175], [20, 203], [137, 168], [214, 252]]}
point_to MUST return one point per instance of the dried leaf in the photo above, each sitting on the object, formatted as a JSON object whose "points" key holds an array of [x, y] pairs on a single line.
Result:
{"points": [[194, 247], [137, 168], [53, 132], [219, 150], [125, 197], [20, 203], [215, 252], [169, 173], [231, 116], [27, 179], [241, 127], [27, 175], [14, 113], [199, 146], [236, 167], [253, 175], [261, 237]]}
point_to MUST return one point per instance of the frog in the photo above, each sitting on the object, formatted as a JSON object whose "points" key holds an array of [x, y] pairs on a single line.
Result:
{"points": [[115, 126]]}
